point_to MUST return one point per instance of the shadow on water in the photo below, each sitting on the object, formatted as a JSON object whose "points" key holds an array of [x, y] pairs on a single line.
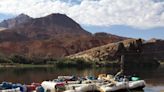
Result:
{"points": [[135, 91]]}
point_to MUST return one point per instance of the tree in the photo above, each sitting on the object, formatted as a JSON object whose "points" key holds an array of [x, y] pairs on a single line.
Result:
{"points": [[19, 59], [121, 49]]}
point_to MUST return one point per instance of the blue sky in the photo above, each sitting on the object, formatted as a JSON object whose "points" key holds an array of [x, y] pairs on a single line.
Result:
{"points": [[131, 18], [129, 31], [5, 16]]}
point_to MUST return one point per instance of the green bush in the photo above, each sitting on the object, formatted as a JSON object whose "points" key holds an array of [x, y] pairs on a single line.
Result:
{"points": [[81, 63], [5, 60], [19, 59]]}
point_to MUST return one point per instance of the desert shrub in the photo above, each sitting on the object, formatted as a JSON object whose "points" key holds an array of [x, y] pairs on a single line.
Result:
{"points": [[19, 59], [78, 62], [5, 60]]}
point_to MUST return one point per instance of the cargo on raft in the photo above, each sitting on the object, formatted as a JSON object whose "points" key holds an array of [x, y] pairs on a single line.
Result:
{"points": [[103, 83]]}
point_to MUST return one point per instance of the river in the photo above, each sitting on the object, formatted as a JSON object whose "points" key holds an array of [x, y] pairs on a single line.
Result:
{"points": [[153, 77]]}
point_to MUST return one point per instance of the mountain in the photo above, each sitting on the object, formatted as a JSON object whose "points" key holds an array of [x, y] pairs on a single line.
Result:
{"points": [[10, 23], [53, 26], [55, 35]]}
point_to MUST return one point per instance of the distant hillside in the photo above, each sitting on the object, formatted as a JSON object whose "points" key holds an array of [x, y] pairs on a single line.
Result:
{"points": [[55, 35], [102, 53], [136, 51]]}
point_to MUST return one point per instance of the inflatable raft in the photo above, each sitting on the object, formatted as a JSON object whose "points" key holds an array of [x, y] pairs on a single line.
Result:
{"points": [[136, 84], [50, 86], [81, 88], [105, 83], [122, 86], [10, 87], [113, 87], [120, 83], [11, 90]]}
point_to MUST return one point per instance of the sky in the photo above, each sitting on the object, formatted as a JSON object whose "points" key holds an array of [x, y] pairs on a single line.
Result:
{"points": [[130, 18]]}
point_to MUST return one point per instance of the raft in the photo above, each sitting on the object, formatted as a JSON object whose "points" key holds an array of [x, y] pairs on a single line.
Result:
{"points": [[113, 87], [68, 78], [131, 85], [81, 88], [104, 83], [11, 90], [32, 87], [50, 86], [9, 87], [136, 84]]}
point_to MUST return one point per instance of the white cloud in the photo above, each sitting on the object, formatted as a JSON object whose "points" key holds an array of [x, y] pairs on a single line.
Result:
{"points": [[137, 13]]}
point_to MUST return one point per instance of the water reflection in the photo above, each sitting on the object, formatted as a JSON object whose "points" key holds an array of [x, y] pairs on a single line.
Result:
{"points": [[28, 75]]}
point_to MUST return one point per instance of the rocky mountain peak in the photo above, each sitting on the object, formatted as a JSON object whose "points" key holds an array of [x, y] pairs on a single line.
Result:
{"points": [[13, 22], [61, 20]]}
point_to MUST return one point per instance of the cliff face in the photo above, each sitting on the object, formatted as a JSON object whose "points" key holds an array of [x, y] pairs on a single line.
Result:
{"points": [[154, 49], [55, 35]]}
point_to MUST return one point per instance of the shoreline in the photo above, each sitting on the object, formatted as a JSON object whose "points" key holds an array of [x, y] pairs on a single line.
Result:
{"points": [[161, 63], [39, 65], [24, 66]]}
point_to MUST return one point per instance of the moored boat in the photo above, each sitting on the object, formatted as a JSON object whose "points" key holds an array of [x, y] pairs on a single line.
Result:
{"points": [[139, 84], [111, 87], [50, 86], [11, 90], [81, 88], [104, 83], [10, 87], [32, 87]]}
